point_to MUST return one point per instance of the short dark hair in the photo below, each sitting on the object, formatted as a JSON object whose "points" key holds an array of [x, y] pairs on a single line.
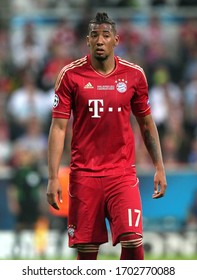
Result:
{"points": [[102, 18]]}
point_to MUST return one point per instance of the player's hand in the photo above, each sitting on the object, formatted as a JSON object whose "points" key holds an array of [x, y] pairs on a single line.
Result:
{"points": [[160, 185], [54, 193]]}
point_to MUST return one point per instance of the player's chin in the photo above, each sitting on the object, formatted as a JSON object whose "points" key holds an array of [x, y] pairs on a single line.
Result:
{"points": [[101, 57]]}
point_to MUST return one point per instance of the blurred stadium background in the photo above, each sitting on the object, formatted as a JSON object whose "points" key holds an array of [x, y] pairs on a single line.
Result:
{"points": [[38, 37]]}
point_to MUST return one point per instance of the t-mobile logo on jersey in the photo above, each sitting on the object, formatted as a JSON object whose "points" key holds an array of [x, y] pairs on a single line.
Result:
{"points": [[96, 106]]}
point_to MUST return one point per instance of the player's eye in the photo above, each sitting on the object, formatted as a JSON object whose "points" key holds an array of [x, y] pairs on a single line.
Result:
{"points": [[106, 35], [94, 34]]}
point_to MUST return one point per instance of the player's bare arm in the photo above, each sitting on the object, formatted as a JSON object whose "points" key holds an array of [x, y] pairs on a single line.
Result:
{"points": [[55, 149], [151, 139]]}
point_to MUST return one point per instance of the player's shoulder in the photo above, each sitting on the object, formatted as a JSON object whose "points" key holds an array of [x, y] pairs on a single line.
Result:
{"points": [[71, 68], [130, 65], [75, 64]]}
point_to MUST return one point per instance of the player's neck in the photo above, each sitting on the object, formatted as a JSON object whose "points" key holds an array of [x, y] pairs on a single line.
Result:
{"points": [[104, 67]]}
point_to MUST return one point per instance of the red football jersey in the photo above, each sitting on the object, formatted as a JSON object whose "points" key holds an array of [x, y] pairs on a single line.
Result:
{"points": [[103, 141]]}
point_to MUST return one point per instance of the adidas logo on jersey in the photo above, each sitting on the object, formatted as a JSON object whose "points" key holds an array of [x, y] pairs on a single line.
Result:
{"points": [[88, 85]]}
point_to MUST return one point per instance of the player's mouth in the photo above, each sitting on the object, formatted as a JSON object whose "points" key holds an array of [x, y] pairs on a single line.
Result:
{"points": [[99, 51]]}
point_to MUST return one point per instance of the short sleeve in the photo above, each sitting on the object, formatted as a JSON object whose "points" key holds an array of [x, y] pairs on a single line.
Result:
{"points": [[140, 103], [62, 102]]}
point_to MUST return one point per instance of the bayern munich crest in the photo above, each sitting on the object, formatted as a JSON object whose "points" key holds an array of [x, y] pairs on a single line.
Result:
{"points": [[71, 230], [56, 101], [121, 85]]}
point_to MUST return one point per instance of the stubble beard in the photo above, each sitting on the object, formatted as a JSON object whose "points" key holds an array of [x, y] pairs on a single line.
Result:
{"points": [[101, 58]]}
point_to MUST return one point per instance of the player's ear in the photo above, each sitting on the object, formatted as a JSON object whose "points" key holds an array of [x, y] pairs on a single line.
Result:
{"points": [[87, 40], [116, 40]]}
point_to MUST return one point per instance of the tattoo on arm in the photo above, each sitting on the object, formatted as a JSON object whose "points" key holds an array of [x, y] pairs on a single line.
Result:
{"points": [[151, 145]]}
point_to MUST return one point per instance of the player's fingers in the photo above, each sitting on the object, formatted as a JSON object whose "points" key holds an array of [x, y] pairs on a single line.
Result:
{"points": [[163, 186], [157, 195], [52, 201], [156, 187], [55, 205], [50, 198], [60, 196]]}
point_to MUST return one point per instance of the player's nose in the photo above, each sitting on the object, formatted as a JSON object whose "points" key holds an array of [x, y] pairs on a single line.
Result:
{"points": [[100, 40]]}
